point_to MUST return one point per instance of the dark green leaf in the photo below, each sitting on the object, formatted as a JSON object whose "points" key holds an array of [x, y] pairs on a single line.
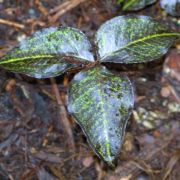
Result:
{"points": [[133, 39], [172, 7], [120, 1], [131, 5], [101, 103], [49, 52]]}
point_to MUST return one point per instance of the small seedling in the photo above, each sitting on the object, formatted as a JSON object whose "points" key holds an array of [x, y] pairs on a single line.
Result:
{"points": [[100, 100], [171, 7], [134, 5]]}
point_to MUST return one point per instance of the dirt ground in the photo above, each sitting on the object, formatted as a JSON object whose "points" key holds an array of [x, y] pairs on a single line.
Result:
{"points": [[33, 142]]}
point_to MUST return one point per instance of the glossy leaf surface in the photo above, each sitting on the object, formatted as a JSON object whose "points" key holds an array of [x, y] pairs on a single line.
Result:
{"points": [[131, 5], [172, 7], [101, 103], [133, 39], [49, 52]]}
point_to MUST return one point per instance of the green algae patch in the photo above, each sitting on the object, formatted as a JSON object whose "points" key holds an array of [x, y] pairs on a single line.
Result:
{"points": [[95, 103], [133, 39], [49, 52]]}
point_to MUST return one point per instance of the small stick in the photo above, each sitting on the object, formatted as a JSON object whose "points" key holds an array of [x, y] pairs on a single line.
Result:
{"points": [[60, 7], [40, 7], [63, 116], [11, 23], [63, 8], [129, 169]]}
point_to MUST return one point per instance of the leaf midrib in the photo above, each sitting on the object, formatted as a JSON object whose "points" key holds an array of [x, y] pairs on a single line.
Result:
{"points": [[141, 40], [47, 56], [103, 115], [11, 60]]}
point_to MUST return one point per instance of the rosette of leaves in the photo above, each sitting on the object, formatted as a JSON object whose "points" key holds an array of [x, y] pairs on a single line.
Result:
{"points": [[134, 5], [172, 7], [100, 100]]}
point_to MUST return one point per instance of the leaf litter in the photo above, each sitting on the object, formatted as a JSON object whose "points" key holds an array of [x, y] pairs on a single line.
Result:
{"points": [[30, 128]]}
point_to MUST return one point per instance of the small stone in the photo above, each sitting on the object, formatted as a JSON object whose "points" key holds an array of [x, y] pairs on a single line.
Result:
{"points": [[10, 84], [21, 37], [87, 162], [148, 124], [165, 91], [174, 107], [33, 150]]}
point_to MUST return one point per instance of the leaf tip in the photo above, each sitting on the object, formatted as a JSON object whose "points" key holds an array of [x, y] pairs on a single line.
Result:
{"points": [[111, 161]]}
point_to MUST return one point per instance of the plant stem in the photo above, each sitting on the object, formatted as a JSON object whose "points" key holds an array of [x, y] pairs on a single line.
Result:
{"points": [[63, 116]]}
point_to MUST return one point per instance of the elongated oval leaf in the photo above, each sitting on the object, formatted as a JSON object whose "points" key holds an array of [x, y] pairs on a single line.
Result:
{"points": [[133, 39], [131, 5], [172, 7], [49, 52], [101, 103]]}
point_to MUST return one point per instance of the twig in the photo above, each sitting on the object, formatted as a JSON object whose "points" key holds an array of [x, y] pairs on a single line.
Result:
{"points": [[48, 157], [32, 23], [11, 23], [129, 170], [63, 8], [170, 165], [64, 116], [40, 7]]}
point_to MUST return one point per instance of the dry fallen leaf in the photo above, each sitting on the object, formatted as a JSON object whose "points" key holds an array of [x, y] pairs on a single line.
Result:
{"points": [[171, 76]]}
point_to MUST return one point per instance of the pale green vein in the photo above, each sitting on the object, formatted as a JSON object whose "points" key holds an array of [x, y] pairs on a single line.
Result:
{"points": [[26, 58], [136, 52], [127, 5], [141, 40], [105, 123]]}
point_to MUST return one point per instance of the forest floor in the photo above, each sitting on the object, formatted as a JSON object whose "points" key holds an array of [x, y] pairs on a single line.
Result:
{"points": [[33, 142]]}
